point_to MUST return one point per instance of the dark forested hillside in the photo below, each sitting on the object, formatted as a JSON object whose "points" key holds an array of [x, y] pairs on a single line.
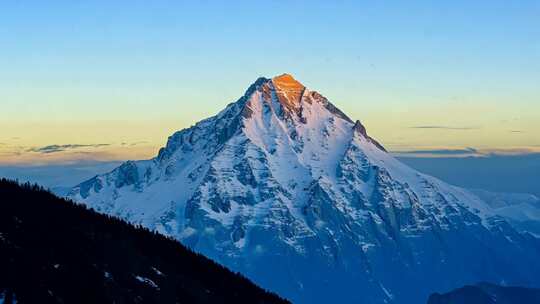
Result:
{"points": [[54, 251], [485, 293]]}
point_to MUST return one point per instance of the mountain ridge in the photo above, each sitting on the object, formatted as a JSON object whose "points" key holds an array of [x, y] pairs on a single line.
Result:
{"points": [[486, 293]]}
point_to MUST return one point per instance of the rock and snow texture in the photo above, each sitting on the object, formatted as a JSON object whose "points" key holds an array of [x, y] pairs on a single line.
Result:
{"points": [[285, 188]]}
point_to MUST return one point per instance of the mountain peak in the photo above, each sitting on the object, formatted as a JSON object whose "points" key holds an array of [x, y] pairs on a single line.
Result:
{"points": [[286, 79], [288, 90]]}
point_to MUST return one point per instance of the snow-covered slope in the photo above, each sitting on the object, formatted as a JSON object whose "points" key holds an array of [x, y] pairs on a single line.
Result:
{"points": [[285, 188]]}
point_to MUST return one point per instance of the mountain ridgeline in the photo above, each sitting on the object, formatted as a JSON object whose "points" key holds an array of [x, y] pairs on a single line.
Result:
{"points": [[285, 188], [54, 251], [485, 293]]}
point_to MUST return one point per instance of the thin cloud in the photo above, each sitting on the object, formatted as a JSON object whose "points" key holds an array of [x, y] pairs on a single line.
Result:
{"points": [[513, 151], [138, 143], [133, 143], [468, 152], [61, 148], [516, 131], [445, 128], [438, 152]]}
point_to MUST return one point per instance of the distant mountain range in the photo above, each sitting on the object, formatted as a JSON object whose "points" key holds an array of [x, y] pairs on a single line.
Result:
{"points": [[519, 209], [53, 251], [485, 293], [285, 188]]}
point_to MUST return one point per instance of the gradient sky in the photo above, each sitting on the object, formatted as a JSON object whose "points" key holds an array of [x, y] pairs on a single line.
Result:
{"points": [[111, 80]]}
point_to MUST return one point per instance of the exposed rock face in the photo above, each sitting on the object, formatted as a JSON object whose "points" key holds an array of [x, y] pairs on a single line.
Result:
{"points": [[288, 91], [285, 188]]}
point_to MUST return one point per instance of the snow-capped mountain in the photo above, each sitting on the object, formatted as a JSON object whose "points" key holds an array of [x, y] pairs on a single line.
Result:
{"points": [[285, 188]]}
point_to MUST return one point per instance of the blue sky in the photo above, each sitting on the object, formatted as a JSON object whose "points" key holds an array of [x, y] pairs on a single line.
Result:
{"points": [[99, 73]]}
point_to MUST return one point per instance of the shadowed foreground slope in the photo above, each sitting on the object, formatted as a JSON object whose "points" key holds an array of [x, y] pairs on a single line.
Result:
{"points": [[53, 251]]}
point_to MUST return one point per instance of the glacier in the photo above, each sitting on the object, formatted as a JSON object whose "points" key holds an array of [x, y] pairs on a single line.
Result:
{"points": [[285, 188]]}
